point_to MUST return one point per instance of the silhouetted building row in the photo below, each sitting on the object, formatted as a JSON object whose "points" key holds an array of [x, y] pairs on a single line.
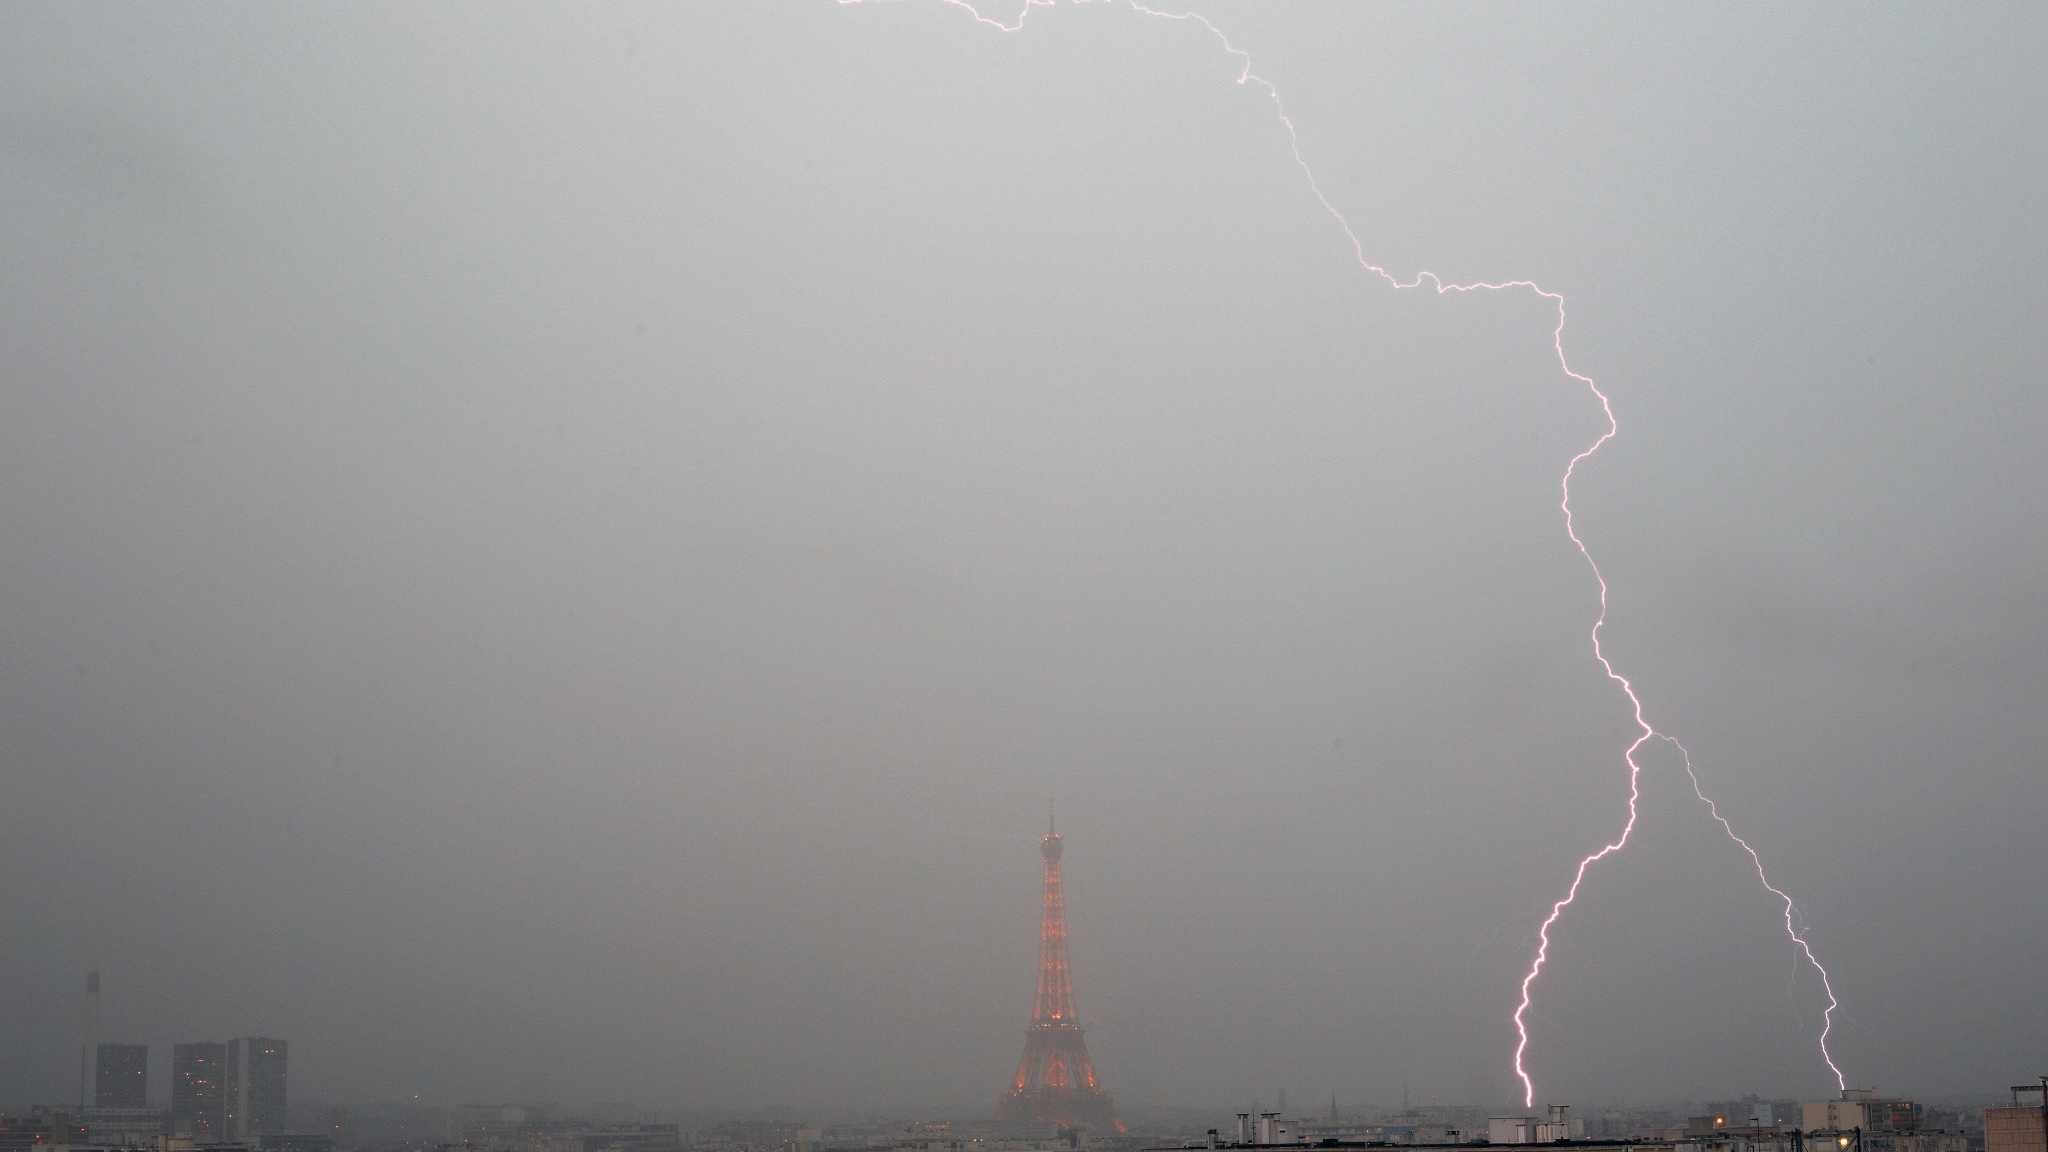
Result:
{"points": [[1859, 1120], [519, 1128]]}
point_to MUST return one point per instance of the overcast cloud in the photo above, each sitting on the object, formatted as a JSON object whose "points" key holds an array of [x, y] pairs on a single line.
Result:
{"points": [[561, 552]]}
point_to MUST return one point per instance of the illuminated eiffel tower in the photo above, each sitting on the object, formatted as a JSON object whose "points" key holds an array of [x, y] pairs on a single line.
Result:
{"points": [[1055, 1081]]}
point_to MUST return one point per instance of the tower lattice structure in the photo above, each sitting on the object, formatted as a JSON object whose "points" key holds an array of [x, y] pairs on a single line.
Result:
{"points": [[1055, 1081]]}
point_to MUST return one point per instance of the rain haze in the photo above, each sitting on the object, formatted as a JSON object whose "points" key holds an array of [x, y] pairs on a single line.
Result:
{"points": [[561, 553]]}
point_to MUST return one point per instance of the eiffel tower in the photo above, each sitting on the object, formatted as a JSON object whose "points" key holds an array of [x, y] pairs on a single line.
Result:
{"points": [[1055, 1081]]}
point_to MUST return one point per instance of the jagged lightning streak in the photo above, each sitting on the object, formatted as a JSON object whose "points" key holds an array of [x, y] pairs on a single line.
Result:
{"points": [[1827, 1016], [1645, 732]]}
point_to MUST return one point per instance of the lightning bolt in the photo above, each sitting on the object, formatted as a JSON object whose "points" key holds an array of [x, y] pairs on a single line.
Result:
{"points": [[1645, 732], [1827, 1017]]}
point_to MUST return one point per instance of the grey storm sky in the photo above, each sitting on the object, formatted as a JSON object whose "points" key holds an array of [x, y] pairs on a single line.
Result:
{"points": [[560, 552]]}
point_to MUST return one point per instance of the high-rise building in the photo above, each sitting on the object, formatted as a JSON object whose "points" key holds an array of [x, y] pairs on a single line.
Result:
{"points": [[228, 1091], [121, 1076], [1055, 1081], [199, 1090], [254, 1098]]}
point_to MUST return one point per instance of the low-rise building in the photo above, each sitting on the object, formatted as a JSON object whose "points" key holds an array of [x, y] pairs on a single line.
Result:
{"points": [[136, 1127], [1860, 1109], [2021, 1126]]}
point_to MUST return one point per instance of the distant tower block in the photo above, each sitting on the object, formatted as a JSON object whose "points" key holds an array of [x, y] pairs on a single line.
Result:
{"points": [[121, 1076], [1055, 1081]]}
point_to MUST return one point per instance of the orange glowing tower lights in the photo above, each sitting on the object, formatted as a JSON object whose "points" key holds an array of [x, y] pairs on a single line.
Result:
{"points": [[1055, 1081]]}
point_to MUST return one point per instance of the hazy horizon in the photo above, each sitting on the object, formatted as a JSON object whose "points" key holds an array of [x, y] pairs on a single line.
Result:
{"points": [[559, 554]]}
